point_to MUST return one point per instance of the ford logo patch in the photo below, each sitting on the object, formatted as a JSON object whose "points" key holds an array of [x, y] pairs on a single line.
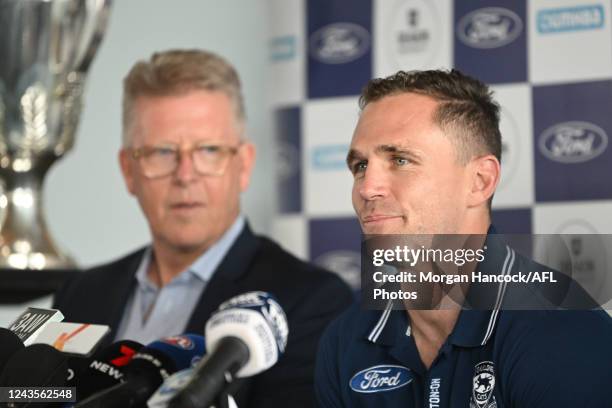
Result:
{"points": [[380, 378], [573, 142], [489, 27], [339, 43]]}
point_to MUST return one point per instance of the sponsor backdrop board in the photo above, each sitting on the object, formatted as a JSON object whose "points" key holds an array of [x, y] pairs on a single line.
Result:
{"points": [[549, 63]]}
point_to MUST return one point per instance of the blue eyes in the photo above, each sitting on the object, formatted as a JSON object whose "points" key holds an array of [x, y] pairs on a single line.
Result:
{"points": [[396, 161], [164, 151], [170, 151], [401, 161], [209, 149]]}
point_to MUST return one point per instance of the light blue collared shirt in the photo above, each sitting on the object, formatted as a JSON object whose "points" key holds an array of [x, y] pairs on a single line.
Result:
{"points": [[170, 307]]}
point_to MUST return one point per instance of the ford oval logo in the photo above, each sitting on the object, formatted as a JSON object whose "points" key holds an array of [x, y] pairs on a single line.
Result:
{"points": [[347, 264], [489, 27], [380, 378], [339, 43], [573, 142]]}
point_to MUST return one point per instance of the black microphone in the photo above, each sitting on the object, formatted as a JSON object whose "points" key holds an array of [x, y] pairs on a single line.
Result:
{"points": [[146, 371], [101, 371], [38, 365], [244, 337], [10, 344]]}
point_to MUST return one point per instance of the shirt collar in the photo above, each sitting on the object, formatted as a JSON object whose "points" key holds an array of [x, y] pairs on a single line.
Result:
{"points": [[478, 318], [474, 327], [207, 263], [203, 267], [390, 326]]}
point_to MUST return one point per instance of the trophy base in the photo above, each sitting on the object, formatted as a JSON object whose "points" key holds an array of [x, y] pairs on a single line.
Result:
{"points": [[20, 286], [34, 261]]}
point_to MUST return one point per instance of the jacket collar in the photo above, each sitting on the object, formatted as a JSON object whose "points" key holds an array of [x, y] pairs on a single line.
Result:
{"points": [[222, 286]]}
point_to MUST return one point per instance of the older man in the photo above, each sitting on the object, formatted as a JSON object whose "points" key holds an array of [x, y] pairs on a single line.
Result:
{"points": [[425, 157], [186, 160]]}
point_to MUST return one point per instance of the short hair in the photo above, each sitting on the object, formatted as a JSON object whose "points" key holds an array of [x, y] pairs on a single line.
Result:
{"points": [[466, 107], [175, 72]]}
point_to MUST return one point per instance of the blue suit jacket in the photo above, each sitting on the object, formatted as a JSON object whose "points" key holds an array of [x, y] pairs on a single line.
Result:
{"points": [[310, 296]]}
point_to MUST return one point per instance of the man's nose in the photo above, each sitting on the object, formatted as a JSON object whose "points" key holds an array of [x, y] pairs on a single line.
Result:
{"points": [[185, 168], [374, 184]]}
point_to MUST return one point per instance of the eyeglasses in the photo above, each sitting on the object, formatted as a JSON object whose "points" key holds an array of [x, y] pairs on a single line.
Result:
{"points": [[160, 161]]}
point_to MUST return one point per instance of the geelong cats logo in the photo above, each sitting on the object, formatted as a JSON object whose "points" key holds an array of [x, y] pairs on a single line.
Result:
{"points": [[483, 384]]}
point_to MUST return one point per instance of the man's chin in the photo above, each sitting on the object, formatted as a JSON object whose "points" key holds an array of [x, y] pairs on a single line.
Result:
{"points": [[384, 230]]}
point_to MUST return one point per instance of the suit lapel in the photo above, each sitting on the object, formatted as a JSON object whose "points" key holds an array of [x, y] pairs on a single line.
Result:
{"points": [[224, 282]]}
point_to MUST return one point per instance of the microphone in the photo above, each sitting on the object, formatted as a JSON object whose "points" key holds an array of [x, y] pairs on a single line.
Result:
{"points": [[49, 370], [245, 336], [101, 371], [73, 338], [30, 323], [175, 383], [10, 345], [146, 371]]}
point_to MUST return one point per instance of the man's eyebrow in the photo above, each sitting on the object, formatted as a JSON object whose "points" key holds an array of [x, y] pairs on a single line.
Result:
{"points": [[352, 156], [388, 148]]}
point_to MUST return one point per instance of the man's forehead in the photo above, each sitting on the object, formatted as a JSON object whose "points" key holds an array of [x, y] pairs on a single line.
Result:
{"points": [[383, 139], [399, 121], [202, 120], [401, 106]]}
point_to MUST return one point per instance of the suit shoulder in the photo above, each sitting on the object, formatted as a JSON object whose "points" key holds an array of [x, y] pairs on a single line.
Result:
{"points": [[302, 287], [96, 277], [283, 262], [109, 269]]}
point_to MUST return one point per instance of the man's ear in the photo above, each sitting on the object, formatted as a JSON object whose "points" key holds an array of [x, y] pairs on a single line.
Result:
{"points": [[125, 162], [246, 154], [485, 174]]}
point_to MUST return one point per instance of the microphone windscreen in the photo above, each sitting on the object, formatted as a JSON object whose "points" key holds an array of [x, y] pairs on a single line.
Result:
{"points": [[103, 370], [259, 321], [147, 369], [38, 365], [10, 344], [175, 353]]}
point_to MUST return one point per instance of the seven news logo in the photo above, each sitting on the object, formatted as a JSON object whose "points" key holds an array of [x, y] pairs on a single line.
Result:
{"points": [[560, 20]]}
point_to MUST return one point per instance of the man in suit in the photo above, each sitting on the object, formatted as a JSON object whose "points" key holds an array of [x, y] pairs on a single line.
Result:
{"points": [[186, 160]]}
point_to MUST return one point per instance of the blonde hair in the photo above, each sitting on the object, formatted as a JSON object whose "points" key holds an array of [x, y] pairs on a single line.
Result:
{"points": [[174, 72]]}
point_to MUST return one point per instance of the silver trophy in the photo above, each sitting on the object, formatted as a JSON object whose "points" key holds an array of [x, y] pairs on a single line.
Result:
{"points": [[46, 47]]}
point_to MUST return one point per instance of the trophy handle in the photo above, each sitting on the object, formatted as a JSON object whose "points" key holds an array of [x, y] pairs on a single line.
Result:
{"points": [[100, 11]]}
